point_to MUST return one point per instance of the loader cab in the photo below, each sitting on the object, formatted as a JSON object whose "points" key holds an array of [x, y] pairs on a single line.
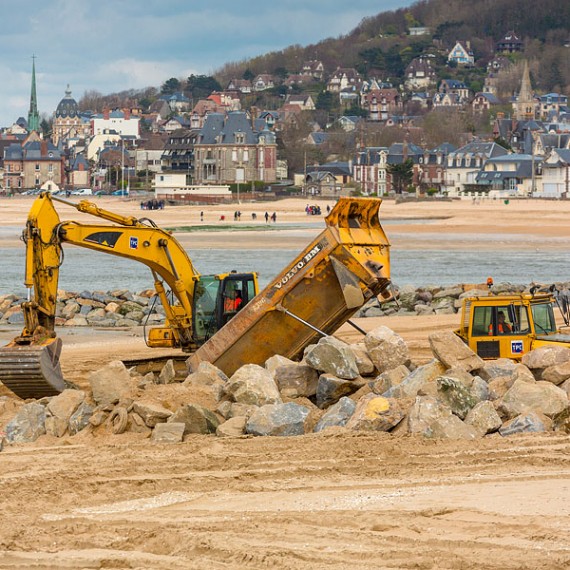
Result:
{"points": [[506, 326], [217, 299]]}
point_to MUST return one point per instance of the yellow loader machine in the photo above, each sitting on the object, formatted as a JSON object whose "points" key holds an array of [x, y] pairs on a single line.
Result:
{"points": [[344, 267], [508, 326], [195, 305]]}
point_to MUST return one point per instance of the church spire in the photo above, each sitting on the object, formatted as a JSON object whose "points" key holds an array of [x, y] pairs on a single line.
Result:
{"points": [[33, 115], [525, 100]]}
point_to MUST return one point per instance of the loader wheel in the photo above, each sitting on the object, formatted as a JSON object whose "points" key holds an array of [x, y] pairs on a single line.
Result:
{"points": [[118, 420]]}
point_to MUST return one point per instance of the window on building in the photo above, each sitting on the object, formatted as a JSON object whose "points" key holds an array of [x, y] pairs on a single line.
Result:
{"points": [[50, 167], [37, 166]]}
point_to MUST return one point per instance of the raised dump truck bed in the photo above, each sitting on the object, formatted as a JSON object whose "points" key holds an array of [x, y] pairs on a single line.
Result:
{"points": [[335, 275]]}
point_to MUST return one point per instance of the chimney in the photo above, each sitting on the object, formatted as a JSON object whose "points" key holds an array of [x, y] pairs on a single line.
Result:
{"points": [[106, 114], [43, 147], [127, 114]]}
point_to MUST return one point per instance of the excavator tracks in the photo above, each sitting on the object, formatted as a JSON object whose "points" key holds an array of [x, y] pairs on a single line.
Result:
{"points": [[32, 371]]}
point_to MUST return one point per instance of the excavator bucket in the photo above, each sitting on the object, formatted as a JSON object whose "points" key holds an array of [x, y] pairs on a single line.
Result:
{"points": [[32, 371], [344, 267]]}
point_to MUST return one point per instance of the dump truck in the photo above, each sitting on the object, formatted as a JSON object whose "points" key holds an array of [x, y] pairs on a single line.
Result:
{"points": [[336, 274], [509, 326]]}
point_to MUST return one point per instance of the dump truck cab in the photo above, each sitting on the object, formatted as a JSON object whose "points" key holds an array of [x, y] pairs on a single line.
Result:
{"points": [[509, 326]]}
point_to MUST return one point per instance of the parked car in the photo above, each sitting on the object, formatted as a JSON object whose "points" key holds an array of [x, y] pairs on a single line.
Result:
{"points": [[120, 193], [82, 192]]}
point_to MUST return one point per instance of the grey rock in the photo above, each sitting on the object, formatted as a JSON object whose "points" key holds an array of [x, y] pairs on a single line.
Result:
{"points": [[271, 364], [529, 422], [252, 384], [168, 373], [431, 418], [449, 349], [196, 419], [278, 420], [416, 380], [28, 424], [386, 349], [492, 369], [363, 361], [376, 413], [331, 389], [383, 382], [332, 356], [295, 380], [151, 412], [480, 389], [561, 421], [423, 310], [336, 415], [455, 395], [234, 427], [484, 418], [110, 383], [79, 420], [168, 433]]}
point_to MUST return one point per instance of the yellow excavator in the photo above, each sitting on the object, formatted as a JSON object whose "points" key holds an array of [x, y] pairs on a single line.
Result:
{"points": [[336, 274], [195, 305]]}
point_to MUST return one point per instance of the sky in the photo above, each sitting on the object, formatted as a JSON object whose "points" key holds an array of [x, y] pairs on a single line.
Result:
{"points": [[115, 45]]}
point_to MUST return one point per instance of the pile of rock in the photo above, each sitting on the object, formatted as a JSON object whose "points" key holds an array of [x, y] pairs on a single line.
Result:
{"points": [[371, 385], [119, 308], [437, 300]]}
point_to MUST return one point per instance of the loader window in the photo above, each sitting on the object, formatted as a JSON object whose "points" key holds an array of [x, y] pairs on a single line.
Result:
{"points": [[482, 317], [205, 297], [543, 317]]}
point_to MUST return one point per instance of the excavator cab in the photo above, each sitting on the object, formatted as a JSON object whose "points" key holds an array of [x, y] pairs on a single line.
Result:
{"points": [[217, 299]]}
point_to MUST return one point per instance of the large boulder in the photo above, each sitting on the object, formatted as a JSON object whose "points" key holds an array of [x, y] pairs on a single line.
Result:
{"points": [[80, 418], [60, 409], [207, 378], [295, 380], [168, 433], [234, 427], [449, 349], [376, 413], [529, 422], [331, 389], [546, 356], [557, 374], [151, 412], [278, 420], [484, 418], [337, 415], [363, 361], [332, 356], [416, 380], [492, 369], [386, 349], [383, 382], [541, 397], [252, 384], [459, 398], [111, 383], [28, 424], [432, 418], [196, 419]]}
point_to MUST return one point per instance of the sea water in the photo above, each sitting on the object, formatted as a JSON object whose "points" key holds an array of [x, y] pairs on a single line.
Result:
{"points": [[85, 270]]}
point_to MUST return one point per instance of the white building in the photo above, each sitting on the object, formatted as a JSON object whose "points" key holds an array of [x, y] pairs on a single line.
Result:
{"points": [[122, 122]]}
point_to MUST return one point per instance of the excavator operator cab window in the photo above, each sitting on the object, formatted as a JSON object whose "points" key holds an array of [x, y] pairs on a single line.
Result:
{"points": [[237, 290]]}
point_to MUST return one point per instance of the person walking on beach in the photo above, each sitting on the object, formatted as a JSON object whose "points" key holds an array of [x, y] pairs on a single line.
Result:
{"points": [[274, 217], [266, 217]]}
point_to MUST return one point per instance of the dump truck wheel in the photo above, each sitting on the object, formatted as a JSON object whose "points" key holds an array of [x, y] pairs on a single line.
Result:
{"points": [[118, 420]]}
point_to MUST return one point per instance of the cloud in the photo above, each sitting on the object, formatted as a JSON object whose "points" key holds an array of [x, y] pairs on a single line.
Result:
{"points": [[116, 45]]}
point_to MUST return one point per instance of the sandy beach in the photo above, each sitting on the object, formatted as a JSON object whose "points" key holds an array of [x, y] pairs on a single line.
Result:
{"points": [[335, 499]]}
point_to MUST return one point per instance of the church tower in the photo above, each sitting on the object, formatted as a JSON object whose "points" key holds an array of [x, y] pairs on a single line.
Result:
{"points": [[524, 105], [33, 115]]}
